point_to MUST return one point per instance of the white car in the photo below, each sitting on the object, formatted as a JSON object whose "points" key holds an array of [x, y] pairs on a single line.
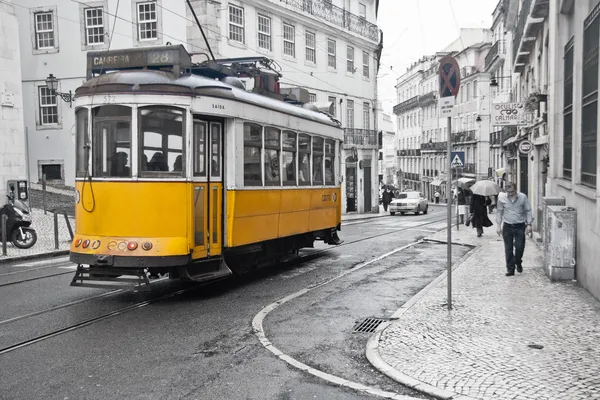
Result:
{"points": [[409, 202]]}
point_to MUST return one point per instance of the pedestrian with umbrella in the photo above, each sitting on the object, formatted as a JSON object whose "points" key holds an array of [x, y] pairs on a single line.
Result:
{"points": [[479, 203], [386, 198]]}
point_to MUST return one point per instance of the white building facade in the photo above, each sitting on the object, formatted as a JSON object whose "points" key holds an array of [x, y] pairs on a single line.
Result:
{"points": [[55, 36], [12, 131], [388, 167], [329, 47], [573, 109]]}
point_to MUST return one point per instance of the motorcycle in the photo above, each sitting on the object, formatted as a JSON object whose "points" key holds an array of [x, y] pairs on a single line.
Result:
{"points": [[18, 224]]}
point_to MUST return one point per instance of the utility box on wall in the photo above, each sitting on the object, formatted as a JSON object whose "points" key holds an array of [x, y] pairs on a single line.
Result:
{"points": [[543, 219], [561, 243]]}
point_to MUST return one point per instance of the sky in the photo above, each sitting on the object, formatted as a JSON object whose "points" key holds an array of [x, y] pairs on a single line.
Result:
{"points": [[413, 28]]}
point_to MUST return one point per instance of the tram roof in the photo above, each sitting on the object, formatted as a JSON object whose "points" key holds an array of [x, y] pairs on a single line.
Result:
{"points": [[167, 83]]}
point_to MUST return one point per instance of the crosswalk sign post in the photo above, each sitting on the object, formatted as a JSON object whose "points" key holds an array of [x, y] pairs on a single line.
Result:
{"points": [[449, 80], [458, 159]]}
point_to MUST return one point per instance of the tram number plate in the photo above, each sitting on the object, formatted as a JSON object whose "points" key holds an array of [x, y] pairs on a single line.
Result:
{"points": [[326, 197], [109, 99]]}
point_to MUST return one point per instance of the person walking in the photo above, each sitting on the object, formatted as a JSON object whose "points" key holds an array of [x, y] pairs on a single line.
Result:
{"points": [[513, 220], [462, 204], [437, 197], [478, 210], [386, 198]]}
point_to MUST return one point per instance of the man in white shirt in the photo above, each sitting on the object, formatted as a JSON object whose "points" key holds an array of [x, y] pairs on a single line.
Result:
{"points": [[513, 221]]}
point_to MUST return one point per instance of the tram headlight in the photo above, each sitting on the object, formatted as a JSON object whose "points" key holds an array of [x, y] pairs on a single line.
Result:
{"points": [[147, 246], [132, 246]]}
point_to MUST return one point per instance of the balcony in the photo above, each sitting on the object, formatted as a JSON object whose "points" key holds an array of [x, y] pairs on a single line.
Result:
{"points": [[497, 52], [469, 168], [361, 137], [411, 176], [463, 136], [323, 9], [409, 153], [416, 101], [435, 146], [531, 18]]}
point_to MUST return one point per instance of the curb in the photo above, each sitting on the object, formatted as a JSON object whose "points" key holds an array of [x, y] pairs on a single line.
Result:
{"points": [[372, 351], [50, 254]]}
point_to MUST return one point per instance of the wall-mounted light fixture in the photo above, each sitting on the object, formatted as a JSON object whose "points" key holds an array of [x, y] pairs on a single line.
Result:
{"points": [[52, 84]]}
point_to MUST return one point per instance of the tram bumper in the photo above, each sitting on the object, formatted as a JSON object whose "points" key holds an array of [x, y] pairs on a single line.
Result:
{"points": [[107, 260]]}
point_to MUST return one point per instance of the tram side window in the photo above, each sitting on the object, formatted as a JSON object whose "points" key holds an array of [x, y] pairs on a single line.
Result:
{"points": [[161, 141], [272, 148], [304, 160], [215, 138], [329, 162], [317, 163], [252, 149], [199, 148], [111, 136], [83, 141], [289, 158]]}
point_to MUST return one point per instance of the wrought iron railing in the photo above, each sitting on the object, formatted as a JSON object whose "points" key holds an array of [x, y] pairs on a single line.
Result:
{"points": [[416, 101], [497, 49], [336, 15], [435, 146], [463, 136], [361, 137], [523, 14]]}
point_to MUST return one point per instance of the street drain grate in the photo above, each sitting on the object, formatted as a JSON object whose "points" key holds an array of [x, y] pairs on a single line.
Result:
{"points": [[369, 325]]}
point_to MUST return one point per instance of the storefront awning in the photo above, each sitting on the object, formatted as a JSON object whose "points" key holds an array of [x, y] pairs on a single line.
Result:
{"points": [[436, 182]]}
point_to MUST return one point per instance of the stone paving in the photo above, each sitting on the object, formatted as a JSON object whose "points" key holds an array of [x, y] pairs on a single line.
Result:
{"points": [[44, 227], [481, 349]]}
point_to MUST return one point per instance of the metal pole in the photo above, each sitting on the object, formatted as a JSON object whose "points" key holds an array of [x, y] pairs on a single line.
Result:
{"points": [[55, 230], [44, 192], [449, 215], [4, 234], [68, 224]]}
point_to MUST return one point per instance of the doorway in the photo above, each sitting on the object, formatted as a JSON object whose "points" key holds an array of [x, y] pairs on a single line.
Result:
{"points": [[367, 191], [524, 175]]}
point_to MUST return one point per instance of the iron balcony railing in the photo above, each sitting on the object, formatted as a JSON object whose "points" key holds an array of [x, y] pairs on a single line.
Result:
{"points": [[361, 137], [336, 15], [522, 21], [497, 49], [435, 146], [416, 101], [410, 153], [463, 136]]}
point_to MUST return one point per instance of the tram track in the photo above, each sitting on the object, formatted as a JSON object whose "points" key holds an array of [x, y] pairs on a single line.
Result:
{"points": [[141, 304]]}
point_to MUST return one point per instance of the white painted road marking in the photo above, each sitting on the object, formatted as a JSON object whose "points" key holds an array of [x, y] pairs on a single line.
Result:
{"points": [[257, 324]]}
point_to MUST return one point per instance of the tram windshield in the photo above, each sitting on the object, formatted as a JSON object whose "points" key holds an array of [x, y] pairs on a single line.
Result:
{"points": [[111, 139], [161, 141]]}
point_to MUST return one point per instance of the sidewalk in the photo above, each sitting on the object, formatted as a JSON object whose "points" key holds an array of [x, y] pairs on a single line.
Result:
{"points": [[519, 337], [44, 227]]}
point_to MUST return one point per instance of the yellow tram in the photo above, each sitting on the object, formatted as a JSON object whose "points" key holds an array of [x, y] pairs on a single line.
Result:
{"points": [[180, 170]]}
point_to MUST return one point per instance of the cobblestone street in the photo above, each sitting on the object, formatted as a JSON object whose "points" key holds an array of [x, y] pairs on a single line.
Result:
{"points": [[519, 337]]}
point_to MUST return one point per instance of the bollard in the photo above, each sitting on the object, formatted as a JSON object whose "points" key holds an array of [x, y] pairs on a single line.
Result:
{"points": [[44, 192], [55, 230], [68, 224], [4, 234]]}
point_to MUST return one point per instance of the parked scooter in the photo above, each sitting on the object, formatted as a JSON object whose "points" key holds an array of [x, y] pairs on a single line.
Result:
{"points": [[18, 224]]}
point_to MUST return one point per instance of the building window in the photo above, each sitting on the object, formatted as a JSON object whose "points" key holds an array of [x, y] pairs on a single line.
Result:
{"points": [[350, 58], [589, 112], [48, 107], [332, 109], [289, 40], [366, 116], [468, 91], [365, 64], [44, 30], [94, 26], [312, 98], [362, 10], [236, 23], [475, 95], [310, 47], [53, 172], [147, 21], [264, 32], [568, 112], [350, 114], [331, 58]]}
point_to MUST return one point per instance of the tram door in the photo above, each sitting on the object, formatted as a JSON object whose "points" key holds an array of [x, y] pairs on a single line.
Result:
{"points": [[207, 197]]}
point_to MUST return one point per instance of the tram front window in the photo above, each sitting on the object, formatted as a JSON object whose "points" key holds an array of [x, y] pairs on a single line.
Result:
{"points": [[111, 137], [82, 141], [161, 141]]}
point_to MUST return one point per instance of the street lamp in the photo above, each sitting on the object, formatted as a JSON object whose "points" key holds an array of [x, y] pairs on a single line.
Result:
{"points": [[52, 84]]}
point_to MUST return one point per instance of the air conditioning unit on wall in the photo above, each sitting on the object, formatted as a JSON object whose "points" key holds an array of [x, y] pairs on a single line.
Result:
{"points": [[561, 247]]}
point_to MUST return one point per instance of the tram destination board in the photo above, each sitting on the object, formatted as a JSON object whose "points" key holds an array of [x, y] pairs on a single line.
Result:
{"points": [[137, 58]]}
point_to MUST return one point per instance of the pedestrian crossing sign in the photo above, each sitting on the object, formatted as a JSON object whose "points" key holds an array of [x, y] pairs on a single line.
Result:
{"points": [[458, 159]]}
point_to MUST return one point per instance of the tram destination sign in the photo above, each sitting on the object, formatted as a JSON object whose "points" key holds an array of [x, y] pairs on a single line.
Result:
{"points": [[98, 61]]}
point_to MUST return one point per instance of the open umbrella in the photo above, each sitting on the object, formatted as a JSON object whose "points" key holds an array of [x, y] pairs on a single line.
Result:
{"points": [[465, 183], [485, 188]]}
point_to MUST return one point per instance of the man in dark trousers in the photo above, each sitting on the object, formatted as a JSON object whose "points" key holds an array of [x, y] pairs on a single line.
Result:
{"points": [[513, 221], [386, 198]]}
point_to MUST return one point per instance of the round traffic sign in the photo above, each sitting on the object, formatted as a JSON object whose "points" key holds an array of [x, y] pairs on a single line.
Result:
{"points": [[449, 77], [525, 147]]}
